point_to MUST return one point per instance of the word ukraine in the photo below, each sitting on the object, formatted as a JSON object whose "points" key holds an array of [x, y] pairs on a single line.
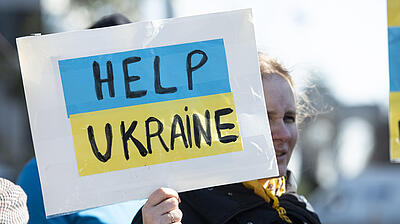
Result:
{"points": [[150, 106]]}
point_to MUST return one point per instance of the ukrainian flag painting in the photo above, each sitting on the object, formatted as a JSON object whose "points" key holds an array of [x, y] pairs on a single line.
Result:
{"points": [[393, 7], [150, 106]]}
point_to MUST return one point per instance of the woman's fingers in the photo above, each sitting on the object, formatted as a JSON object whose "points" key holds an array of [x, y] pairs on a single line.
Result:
{"points": [[161, 194], [162, 207], [174, 216], [178, 215], [167, 205]]}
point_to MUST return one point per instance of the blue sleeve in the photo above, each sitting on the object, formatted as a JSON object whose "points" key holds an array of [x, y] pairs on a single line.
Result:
{"points": [[29, 181], [118, 213]]}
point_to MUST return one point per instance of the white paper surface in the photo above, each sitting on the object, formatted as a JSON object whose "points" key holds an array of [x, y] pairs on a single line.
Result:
{"points": [[64, 190]]}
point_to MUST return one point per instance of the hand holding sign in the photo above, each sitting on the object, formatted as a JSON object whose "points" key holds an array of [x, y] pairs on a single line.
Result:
{"points": [[162, 207]]}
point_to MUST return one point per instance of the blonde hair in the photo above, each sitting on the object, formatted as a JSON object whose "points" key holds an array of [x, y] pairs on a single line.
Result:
{"points": [[269, 66], [304, 107]]}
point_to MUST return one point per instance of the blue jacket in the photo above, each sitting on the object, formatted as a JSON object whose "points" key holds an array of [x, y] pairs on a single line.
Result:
{"points": [[118, 213]]}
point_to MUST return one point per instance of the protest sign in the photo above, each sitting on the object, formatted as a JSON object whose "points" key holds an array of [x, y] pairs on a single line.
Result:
{"points": [[118, 112], [394, 71]]}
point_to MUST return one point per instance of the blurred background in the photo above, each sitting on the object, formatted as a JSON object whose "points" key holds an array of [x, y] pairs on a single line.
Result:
{"points": [[336, 52]]}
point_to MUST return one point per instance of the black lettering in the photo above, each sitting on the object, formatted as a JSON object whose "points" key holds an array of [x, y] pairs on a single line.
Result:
{"points": [[98, 81], [177, 119], [129, 93], [160, 128], [189, 133], [157, 80], [227, 138], [128, 135], [199, 128], [399, 126], [190, 69], [95, 150]]}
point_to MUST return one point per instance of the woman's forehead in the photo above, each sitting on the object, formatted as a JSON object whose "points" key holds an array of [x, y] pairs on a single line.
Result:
{"points": [[278, 93], [277, 82]]}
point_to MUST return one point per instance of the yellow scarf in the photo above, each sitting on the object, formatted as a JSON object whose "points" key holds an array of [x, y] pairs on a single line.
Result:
{"points": [[269, 189]]}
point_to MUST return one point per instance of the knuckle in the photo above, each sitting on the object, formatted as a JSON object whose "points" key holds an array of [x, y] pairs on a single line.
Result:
{"points": [[163, 190], [180, 213], [160, 191], [172, 202]]}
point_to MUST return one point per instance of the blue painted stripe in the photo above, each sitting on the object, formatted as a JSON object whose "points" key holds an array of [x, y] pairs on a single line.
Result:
{"points": [[394, 58], [79, 83]]}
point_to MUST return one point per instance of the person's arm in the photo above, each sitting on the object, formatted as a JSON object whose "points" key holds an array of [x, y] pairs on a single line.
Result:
{"points": [[30, 183]]}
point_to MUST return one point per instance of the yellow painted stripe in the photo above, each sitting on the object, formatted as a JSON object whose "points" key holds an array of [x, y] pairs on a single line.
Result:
{"points": [[88, 164], [393, 12], [394, 109]]}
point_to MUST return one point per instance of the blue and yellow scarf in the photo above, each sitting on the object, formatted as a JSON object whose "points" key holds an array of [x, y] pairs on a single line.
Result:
{"points": [[270, 189]]}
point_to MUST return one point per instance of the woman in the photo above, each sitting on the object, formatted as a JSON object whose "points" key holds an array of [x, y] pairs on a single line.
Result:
{"points": [[272, 200]]}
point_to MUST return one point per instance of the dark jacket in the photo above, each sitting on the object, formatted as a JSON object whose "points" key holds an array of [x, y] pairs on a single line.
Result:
{"points": [[235, 204]]}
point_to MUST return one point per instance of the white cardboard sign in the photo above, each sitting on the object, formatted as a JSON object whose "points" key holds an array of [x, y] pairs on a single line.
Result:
{"points": [[118, 112]]}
